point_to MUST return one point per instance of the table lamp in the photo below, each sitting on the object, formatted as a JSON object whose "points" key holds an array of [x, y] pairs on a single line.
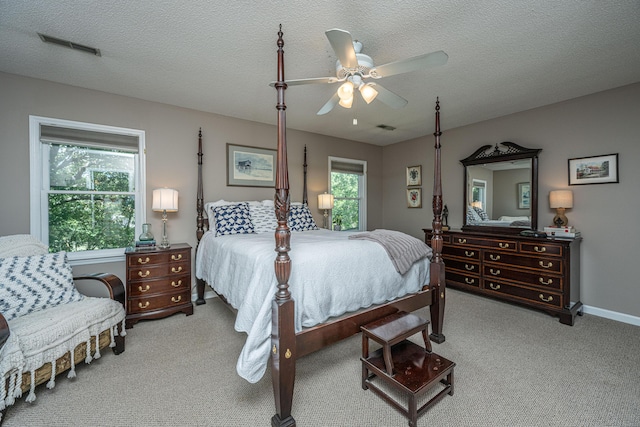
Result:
{"points": [[325, 201], [560, 200], [165, 200]]}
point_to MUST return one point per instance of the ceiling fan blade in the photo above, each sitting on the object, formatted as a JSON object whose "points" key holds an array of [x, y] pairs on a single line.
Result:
{"points": [[342, 45], [329, 105], [419, 62], [389, 98], [308, 81]]}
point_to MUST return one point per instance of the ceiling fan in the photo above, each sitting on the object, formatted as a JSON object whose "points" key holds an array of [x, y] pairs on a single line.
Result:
{"points": [[353, 68]]}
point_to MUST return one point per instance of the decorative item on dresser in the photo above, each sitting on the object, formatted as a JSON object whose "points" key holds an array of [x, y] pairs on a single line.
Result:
{"points": [[543, 273], [158, 282]]}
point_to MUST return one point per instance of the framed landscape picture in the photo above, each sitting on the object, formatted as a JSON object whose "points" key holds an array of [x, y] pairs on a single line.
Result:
{"points": [[250, 166], [594, 170], [524, 195]]}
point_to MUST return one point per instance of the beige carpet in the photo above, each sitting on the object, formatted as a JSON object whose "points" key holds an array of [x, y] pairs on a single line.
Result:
{"points": [[515, 367]]}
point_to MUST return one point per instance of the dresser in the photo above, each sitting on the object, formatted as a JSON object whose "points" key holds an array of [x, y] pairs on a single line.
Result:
{"points": [[158, 282], [542, 273]]}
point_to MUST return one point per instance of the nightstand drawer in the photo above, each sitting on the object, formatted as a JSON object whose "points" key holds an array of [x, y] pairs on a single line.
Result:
{"points": [[164, 301], [142, 259], [157, 271], [150, 287]]}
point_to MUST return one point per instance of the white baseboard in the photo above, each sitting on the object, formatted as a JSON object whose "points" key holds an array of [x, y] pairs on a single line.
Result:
{"points": [[613, 315]]}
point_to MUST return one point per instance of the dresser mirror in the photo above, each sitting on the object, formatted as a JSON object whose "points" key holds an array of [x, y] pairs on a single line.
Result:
{"points": [[501, 189]]}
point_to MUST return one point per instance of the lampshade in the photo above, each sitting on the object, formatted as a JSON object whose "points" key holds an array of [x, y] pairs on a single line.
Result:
{"points": [[477, 204], [165, 199], [325, 201], [346, 102], [561, 199], [345, 91], [368, 93]]}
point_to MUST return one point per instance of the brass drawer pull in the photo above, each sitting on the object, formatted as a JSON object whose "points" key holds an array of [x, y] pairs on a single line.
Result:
{"points": [[503, 245], [469, 267], [146, 260], [548, 282], [175, 285], [174, 299], [494, 257], [469, 254], [549, 265], [462, 240], [469, 281], [176, 270], [494, 287], [146, 304], [540, 249], [541, 296], [176, 258], [145, 274], [494, 272], [145, 289]]}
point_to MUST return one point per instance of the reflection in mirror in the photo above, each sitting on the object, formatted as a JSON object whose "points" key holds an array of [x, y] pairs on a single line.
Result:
{"points": [[501, 189]]}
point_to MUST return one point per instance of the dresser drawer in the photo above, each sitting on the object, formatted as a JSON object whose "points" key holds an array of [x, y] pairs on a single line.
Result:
{"points": [[144, 304], [503, 244], [152, 287], [463, 279], [464, 266], [467, 253], [540, 249], [543, 264], [539, 297], [534, 278]]}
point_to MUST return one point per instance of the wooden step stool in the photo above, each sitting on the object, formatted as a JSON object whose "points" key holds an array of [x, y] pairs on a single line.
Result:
{"points": [[404, 365]]}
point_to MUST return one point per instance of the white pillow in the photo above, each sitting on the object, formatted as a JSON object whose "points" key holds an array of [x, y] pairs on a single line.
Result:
{"points": [[34, 283], [263, 218]]}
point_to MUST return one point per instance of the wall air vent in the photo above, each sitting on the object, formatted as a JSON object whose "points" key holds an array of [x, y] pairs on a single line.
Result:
{"points": [[70, 45], [386, 127]]}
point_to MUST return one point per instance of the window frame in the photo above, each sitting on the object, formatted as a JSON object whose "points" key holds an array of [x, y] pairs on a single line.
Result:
{"points": [[39, 176], [362, 189]]}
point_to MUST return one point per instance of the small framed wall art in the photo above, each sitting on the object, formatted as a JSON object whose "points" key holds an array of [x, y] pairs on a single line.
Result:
{"points": [[594, 170], [414, 197], [414, 176]]}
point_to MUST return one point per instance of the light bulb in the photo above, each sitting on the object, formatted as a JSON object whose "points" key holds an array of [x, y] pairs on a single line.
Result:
{"points": [[346, 103], [368, 93], [346, 91]]}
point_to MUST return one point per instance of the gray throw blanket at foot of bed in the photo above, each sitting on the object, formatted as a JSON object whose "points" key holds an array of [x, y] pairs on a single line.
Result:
{"points": [[403, 250]]}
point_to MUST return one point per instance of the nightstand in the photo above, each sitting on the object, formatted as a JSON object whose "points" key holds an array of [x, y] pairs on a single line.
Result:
{"points": [[158, 282]]}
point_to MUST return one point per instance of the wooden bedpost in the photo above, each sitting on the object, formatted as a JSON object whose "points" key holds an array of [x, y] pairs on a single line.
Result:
{"points": [[283, 338], [200, 218], [304, 171], [437, 281]]}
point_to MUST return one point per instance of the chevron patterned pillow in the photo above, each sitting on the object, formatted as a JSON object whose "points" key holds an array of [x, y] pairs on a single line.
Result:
{"points": [[300, 218], [233, 219], [34, 283]]}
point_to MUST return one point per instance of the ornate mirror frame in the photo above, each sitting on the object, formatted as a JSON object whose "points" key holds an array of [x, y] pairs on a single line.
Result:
{"points": [[507, 153]]}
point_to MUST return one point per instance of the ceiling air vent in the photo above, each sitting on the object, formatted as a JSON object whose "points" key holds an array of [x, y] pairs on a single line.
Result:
{"points": [[386, 127], [70, 45]]}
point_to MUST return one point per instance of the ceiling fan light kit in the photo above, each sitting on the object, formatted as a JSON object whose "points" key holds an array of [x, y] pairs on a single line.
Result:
{"points": [[353, 67]]}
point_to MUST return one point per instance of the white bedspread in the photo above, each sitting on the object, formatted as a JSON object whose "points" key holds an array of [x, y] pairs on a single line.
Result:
{"points": [[330, 275]]}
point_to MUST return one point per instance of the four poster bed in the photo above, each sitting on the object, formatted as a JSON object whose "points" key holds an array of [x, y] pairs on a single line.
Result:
{"points": [[293, 325]]}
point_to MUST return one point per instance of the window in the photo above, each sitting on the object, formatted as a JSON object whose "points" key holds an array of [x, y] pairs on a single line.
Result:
{"points": [[479, 194], [87, 188], [348, 179]]}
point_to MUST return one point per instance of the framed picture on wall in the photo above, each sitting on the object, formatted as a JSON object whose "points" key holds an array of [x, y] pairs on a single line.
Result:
{"points": [[414, 175], [594, 170], [524, 195], [250, 166], [414, 197]]}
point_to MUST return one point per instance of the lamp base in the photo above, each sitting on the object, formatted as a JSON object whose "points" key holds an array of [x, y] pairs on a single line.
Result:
{"points": [[560, 220]]}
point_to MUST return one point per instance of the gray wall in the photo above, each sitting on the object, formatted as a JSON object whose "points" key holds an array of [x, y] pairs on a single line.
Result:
{"points": [[171, 140], [606, 214]]}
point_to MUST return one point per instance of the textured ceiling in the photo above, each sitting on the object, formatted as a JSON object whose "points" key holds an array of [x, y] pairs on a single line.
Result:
{"points": [[505, 56]]}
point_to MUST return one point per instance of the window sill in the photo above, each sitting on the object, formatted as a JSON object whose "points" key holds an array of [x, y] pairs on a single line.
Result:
{"points": [[96, 257]]}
